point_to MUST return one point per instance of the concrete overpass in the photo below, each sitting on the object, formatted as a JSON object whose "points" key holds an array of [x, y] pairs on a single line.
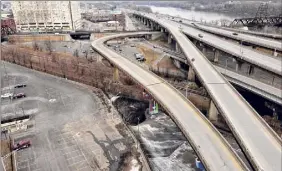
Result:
{"points": [[267, 91], [213, 150], [268, 63], [258, 141], [254, 40]]}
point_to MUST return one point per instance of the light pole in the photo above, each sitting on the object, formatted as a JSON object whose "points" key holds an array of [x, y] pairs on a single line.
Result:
{"points": [[116, 21]]}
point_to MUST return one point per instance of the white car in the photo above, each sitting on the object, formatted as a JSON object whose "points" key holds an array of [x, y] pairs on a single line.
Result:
{"points": [[139, 57], [6, 95]]}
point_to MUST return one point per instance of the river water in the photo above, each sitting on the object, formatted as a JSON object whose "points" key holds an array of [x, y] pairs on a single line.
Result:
{"points": [[191, 15]]}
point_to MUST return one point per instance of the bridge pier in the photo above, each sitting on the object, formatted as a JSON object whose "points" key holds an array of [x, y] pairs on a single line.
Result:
{"points": [[169, 39], [148, 37], [162, 30], [204, 50], [250, 69], [116, 74], [238, 65], [177, 48], [151, 25], [216, 56], [191, 74], [275, 53], [177, 63], [213, 112]]}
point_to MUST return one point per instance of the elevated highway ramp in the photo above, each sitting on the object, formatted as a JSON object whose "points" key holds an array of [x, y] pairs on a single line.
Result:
{"points": [[213, 150], [258, 141]]}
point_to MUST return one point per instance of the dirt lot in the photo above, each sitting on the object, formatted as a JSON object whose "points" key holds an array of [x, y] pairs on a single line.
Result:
{"points": [[150, 55], [74, 128]]}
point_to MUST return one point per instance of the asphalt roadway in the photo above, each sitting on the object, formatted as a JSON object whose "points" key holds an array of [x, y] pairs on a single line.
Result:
{"points": [[71, 127], [261, 144], [211, 147], [267, 62], [256, 40]]}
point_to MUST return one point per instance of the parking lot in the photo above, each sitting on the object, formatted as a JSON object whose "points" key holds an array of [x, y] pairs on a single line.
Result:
{"points": [[70, 127]]}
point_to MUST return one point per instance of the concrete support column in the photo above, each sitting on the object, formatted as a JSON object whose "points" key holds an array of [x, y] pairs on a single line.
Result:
{"points": [[195, 42], [116, 74], [216, 55], [191, 74], [152, 25], [275, 53], [251, 70], [177, 63], [169, 39], [204, 50], [162, 29], [213, 112], [177, 48], [238, 65]]}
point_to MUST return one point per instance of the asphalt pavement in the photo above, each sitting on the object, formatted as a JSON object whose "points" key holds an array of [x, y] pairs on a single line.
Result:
{"points": [[71, 127]]}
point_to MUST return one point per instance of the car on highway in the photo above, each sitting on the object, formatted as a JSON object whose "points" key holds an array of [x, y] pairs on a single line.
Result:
{"points": [[19, 95], [139, 57], [20, 85], [201, 36], [132, 45], [180, 21], [22, 145], [235, 34]]}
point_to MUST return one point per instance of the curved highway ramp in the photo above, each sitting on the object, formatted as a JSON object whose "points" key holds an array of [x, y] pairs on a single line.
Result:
{"points": [[259, 142], [211, 147]]}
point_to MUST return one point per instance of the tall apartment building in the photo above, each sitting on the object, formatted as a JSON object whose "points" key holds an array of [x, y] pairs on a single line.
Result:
{"points": [[46, 16]]}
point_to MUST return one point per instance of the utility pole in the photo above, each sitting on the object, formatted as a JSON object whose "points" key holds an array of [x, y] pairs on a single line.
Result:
{"points": [[71, 16], [116, 21]]}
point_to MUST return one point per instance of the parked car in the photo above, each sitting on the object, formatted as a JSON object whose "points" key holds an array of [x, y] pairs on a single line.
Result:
{"points": [[6, 95], [19, 95], [132, 45], [139, 57], [22, 145], [201, 36], [235, 34], [20, 85]]}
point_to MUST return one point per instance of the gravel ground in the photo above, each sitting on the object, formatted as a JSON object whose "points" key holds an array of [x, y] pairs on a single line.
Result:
{"points": [[73, 128]]}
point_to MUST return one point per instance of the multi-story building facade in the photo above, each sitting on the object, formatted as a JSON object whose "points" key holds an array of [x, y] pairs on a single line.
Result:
{"points": [[46, 16]]}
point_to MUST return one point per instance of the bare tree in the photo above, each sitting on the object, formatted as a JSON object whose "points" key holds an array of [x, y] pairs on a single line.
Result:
{"points": [[86, 54], [35, 45], [224, 22], [48, 45], [11, 40], [75, 53], [90, 60], [63, 66], [54, 57]]}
